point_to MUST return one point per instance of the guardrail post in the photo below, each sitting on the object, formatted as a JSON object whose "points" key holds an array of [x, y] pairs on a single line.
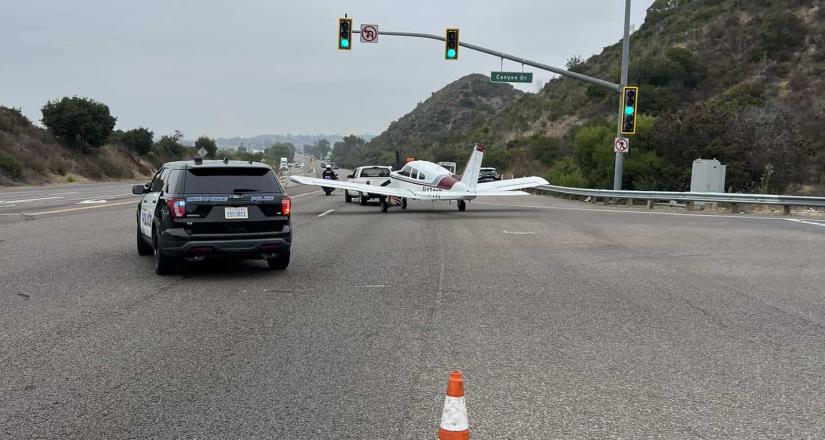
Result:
{"points": [[628, 202], [786, 210], [650, 204]]}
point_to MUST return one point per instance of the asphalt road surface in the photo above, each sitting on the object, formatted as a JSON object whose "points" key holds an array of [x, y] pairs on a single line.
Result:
{"points": [[568, 321]]}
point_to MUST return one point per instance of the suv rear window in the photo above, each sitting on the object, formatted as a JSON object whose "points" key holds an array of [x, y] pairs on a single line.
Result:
{"points": [[219, 180], [375, 172]]}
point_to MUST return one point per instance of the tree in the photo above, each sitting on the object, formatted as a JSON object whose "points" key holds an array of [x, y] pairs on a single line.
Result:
{"points": [[323, 148], [80, 123], [281, 149], [169, 146], [346, 151], [138, 140], [207, 144]]}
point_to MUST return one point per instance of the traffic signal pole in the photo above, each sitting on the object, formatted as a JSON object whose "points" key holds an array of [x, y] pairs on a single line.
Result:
{"points": [[588, 79], [619, 165]]}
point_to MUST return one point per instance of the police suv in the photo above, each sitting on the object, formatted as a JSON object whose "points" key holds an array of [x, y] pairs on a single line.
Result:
{"points": [[202, 209]]}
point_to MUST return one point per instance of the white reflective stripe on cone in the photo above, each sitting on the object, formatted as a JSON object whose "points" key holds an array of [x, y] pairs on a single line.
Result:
{"points": [[454, 416]]}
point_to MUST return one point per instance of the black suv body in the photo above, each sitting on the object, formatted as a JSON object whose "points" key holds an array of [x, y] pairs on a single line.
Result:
{"points": [[214, 209]]}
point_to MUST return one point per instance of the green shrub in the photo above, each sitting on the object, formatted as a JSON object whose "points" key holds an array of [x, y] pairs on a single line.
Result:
{"points": [[10, 166], [778, 34], [80, 123], [566, 173]]}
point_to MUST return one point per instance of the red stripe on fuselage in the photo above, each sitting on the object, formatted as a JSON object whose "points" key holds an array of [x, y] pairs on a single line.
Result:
{"points": [[446, 182]]}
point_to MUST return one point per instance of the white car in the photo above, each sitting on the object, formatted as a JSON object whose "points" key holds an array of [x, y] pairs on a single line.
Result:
{"points": [[368, 175]]}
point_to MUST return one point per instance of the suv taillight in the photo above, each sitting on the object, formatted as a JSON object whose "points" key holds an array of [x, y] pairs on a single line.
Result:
{"points": [[286, 205], [177, 207]]}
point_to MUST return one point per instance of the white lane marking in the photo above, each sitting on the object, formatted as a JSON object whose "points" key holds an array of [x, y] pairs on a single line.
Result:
{"points": [[371, 286], [805, 222], [625, 211], [31, 200], [326, 212], [12, 214], [78, 209], [63, 193], [518, 232], [91, 202], [305, 194]]}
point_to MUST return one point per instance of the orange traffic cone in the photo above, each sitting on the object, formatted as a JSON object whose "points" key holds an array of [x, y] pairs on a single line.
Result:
{"points": [[454, 423]]}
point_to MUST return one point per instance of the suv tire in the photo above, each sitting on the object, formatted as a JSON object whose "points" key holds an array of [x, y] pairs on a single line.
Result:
{"points": [[143, 247], [280, 262], [163, 265]]}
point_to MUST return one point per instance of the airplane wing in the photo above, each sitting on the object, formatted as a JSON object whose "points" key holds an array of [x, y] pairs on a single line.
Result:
{"points": [[463, 195], [372, 189], [506, 185]]}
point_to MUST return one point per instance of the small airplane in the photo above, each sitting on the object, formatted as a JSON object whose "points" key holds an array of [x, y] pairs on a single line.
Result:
{"points": [[423, 180]]}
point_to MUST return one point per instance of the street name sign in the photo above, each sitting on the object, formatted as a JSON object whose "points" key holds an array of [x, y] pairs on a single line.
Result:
{"points": [[511, 77]]}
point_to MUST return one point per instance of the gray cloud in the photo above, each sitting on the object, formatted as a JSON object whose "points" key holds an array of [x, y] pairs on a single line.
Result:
{"points": [[245, 67]]}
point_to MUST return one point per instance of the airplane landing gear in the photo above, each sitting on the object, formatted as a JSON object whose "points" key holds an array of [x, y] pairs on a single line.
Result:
{"points": [[384, 204], [462, 205], [404, 203]]}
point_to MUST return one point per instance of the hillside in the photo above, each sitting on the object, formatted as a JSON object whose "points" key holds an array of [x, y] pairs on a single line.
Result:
{"points": [[742, 81], [31, 155], [447, 116]]}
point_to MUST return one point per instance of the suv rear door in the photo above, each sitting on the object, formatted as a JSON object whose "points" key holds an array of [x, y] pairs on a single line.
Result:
{"points": [[150, 200]]}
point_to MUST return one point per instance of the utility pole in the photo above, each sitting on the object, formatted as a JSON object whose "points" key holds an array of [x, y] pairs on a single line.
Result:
{"points": [[617, 170]]}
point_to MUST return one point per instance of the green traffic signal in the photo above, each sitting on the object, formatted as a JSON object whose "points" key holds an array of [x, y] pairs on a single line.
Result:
{"points": [[344, 33], [451, 44], [630, 104]]}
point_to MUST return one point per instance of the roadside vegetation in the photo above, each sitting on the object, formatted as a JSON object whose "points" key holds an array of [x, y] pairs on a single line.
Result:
{"points": [[738, 81]]}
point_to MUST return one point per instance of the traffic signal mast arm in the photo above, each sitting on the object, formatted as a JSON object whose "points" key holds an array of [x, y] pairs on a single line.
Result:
{"points": [[589, 79]]}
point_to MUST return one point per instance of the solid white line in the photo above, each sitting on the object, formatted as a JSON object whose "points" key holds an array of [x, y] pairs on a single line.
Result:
{"points": [[79, 209], [370, 286], [805, 222], [624, 211], [60, 194], [326, 212], [31, 200]]}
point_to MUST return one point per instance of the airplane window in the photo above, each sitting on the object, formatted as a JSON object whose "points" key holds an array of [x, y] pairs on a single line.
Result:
{"points": [[414, 173], [405, 171], [422, 177]]}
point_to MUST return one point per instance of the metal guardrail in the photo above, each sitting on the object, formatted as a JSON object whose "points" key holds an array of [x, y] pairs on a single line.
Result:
{"points": [[755, 199]]}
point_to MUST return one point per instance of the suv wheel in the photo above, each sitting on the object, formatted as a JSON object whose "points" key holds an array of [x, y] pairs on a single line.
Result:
{"points": [[280, 262], [163, 264]]}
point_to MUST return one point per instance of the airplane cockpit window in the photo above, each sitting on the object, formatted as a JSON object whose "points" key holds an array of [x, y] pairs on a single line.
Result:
{"points": [[414, 173], [405, 171], [421, 176]]}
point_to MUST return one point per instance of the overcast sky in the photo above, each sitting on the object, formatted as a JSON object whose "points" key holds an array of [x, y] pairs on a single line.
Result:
{"points": [[248, 67]]}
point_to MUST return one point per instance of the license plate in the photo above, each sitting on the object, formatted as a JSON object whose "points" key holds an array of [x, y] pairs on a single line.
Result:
{"points": [[235, 213]]}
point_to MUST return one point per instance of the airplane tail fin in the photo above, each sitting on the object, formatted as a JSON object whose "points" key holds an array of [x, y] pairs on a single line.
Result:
{"points": [[473, 169]]}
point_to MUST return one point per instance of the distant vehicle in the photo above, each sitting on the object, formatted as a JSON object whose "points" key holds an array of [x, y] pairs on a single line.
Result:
{"points": [[367, 175], [422, 180], [208, 209], [284, 163], [488, 174], [450, 166]]}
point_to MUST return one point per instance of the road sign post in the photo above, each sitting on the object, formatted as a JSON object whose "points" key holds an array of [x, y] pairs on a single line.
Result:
{"points": [[511, 77], [617, 170]]}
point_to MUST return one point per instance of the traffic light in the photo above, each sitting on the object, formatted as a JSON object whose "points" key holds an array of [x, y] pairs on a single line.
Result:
{"points": [[344, 33], [630, 104], [451, 45]]}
